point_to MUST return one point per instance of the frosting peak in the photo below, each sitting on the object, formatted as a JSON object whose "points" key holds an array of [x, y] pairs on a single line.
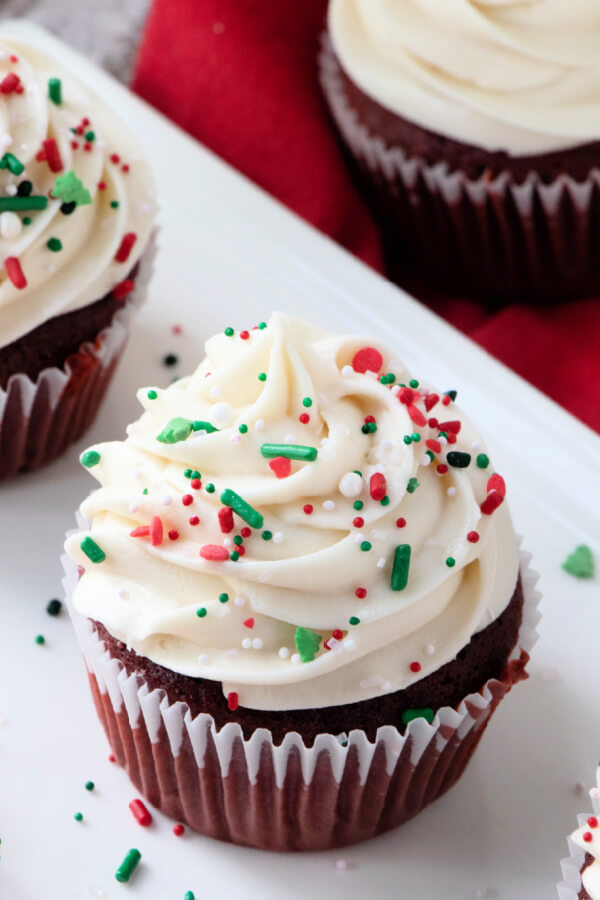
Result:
{"points": [[298, 519]]}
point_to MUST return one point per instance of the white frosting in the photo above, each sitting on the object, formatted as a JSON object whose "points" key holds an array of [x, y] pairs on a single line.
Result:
{"points": [[516, 75], [590, 878], [85, 269], [308, 573]]}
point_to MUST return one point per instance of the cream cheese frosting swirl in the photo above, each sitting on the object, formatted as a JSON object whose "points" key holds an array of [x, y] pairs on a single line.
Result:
{"points": [[521, 76], [76, 195], [587, 838], [278, 521]]}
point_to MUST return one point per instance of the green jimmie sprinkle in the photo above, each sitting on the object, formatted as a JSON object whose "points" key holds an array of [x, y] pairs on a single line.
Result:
{"points": [[289, 451], [243, 509]]}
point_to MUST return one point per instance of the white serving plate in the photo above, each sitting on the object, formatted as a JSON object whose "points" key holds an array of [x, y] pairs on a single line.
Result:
{"points": [[230, 254]]}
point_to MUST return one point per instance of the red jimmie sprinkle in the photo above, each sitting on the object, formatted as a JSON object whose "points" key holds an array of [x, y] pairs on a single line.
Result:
{"points": [[415, 667], [122, 254], [491, 502], [431, 400], [53, 157], [226, 519], [232, 700], [473, 537], [15, 272], [10, 83], [281, 466], [156, 531], [214, 553], [173, 534], [496, 483], [377, 486], [140, 531], [249, 623], [452, 427], [416, 415], [121, 290], [367, 359], [433, 445], [141, 815], [592, 822], [178, 830]]}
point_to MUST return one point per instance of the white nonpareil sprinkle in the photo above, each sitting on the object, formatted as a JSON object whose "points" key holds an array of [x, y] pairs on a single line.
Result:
{"points": [[295, 658], [215, 391], [284, 652], [358, 538], [328, 505], [11, 225], [386, 444], [476, 445], [278, 537], [264, 576], [289, 439], [133, 507], [235, 438], [594, 793], [138, 474], [247, 643], [227, 542], [166, 500], [202, 659], [373, 681], [426, 460], [257, 644], [350, 484], [381, 562], [347, 370], [395, 390], [349, 644], [221, 413], [451, 492], [239, 601], [385, 686], [259, 424], [122, 593], [377, 534], [429, 649], [10, 190]]}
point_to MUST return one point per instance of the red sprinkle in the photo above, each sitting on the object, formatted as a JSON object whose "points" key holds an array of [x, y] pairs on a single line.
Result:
{"points": [[431, 400], [415, 667], [281, 466], [125, 168], [249, 623], [496, 483], [173, 534], [592, 822], [241, 550], [244, 335], [141, 813], [85, 121], [214, 553], [176, 329], [433, 422], [367, 359], [122, 254], [401, 522], [377, 486], [178, 830], [226, 519], [10, 83], [111, 757], [491, 502], [361, 593], [473, 537], [15, 272], [452, 427], [433, 445], [406, 395], [232, 700], [13, 58], [140, 531], [416, 415], [121, 290], [446, 400], [369, 419], [308, 508], [442, 468], [587, 836], [156, 531], [196, 484], [452, 439], [304, 418], [53, 156], [246, 532], [337, 633], [74, 145], [358, 522], [194, 520], [114, 158], [187, 499], [101, 185], [87, 147]]}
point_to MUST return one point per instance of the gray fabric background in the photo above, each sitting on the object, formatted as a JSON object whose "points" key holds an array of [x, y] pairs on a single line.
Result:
{"points": [[106, 30]]}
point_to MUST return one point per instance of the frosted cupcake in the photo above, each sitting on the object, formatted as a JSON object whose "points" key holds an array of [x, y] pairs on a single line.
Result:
{"points": [[301, 595], [76, 214], [476, 130], [581, 870]]}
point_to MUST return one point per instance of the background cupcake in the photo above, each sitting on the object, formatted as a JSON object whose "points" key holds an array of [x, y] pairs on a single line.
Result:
{"points": [[301, 595], [76, 214], [475, 129], [581, 870]]}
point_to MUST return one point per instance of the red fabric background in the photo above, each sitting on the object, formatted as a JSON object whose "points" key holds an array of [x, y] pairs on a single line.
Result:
{"points": [[240, 75]]}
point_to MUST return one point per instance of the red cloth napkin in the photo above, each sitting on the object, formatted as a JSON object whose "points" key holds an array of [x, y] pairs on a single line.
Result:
{"points": [[241, 76]]}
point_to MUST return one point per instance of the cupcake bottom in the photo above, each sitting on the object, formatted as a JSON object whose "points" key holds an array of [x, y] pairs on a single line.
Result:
{"points": [[288, 794], [504, 228]]}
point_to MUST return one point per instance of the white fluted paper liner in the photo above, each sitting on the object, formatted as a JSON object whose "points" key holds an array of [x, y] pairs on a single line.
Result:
{"points": [[33, 427], [570, 886]]}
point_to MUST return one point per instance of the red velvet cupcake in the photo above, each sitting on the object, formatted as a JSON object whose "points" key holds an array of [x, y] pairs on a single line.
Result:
{"points": [[581, 869], [76, 215]]}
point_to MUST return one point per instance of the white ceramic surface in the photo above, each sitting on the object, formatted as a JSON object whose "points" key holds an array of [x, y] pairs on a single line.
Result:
{"points": [[230, 255]]}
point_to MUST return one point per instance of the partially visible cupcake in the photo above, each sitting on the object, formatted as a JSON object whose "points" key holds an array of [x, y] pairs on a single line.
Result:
{"points": [[581, 870], [76, 216], [475, 127], [301, 594]]}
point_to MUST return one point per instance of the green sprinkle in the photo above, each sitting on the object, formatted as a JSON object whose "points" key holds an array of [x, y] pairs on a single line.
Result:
{"points": [[201, 612], [385, 501], [92, 550], [54, 244], [413, 484], [187, 473], [580, 562], [55, 90], [10, 161], [152, 395], [54, 607], [18, 204], [243, 429], [89, 459], [238, 540], [443, 434], [354, 620], [90, 136], [262, 325], [413, 383], [114, 204], [369, 428], [407, 439], [127, 867], [307, 402], [482, 460], [267, 535], [223, 598], [210, 488], [307, 643], [199, 425], [176, 430], [358, 472], [70, 189], [196, 474], [430, 454], [365, 546], [409, 714], [416, 437], [262, 376], [289, 451], [458, 459], [450, 562], [400, 567], [246, 512], [234, 556], [145, 491], [78, 817], [27, 220], [189, 895], [358, 504], [89, 785], [387, 379], [451, 394], [170, 359], [40, 639], [229, 332]]}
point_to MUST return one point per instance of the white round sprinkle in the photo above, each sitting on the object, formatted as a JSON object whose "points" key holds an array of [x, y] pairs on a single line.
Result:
{"points": [[426, 460], [341, 865], [295, 659], [442, 439], [259, 424], [358, 537], [385, 686], [278, 537], [247, 643], [284, 652], [429, 649], [129, 430], [257, 644], [235, 438], [350, 484], [289, 439], [386, 444], [476, 445], [202, 658], [395, 390], [133, 507], [593, 792], [264, 576], [10, 190], [228, 542], [221, 413], [381, 562], [239, 601], [138, 474], [347, 370], [10, 225], [215, 391], [122, 593], [377, 534], [349, 644], [166, 500], [328, 505], [451, 492]]}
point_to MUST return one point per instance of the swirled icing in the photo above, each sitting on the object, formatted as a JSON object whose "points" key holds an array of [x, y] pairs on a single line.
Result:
{"points": [[93, 145], [587, 838], [322, 558], [516, 75]]}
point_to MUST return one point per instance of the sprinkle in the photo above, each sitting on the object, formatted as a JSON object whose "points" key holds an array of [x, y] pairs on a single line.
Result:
{"points": [[89, 459], [361, 593], [401, 522], [415, 667], [491, 503], [587, 836], [229, 332], [10, 83], [281, 466], [141, 530], [350, 484], [140, 813], [458, 459], [226, 519], [201, 612], [55, 90], [243, 509], [70, 189], [450, 562], [358, 505], [214, 553], [53, 156], [473, 537], [243, 429], [580, 562], [187, 499], [377, 486], [400, 566], [244, 335], [122, 254], [223, 598], [89, 785], [367, 359], [262, 376], [358, 522], [307, 508], [354, 620], [92, 550], [156, 531], [307, 643], [496, 483], [189, 895], [289, 451], [10, 161], [152, 395], [78, 817], [15, 272], [413, 484], [128, 866], [429, 649], [409, 714], [176, 430], [54, 607], [122, 289], [170, 359], [40, 639], [416, 415], [365, 546], [592, 822], [482, 461], [232, 701], [267, 535], [199, 425], [178, 830], [304, 418], [328, 505], [54, 244], [257, 644], [249, 623]]}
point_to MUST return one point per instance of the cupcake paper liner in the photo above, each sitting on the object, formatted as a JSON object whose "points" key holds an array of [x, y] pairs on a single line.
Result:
{"points": [[38, 420], [288, 796], [491, 235], [571, 866]]}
